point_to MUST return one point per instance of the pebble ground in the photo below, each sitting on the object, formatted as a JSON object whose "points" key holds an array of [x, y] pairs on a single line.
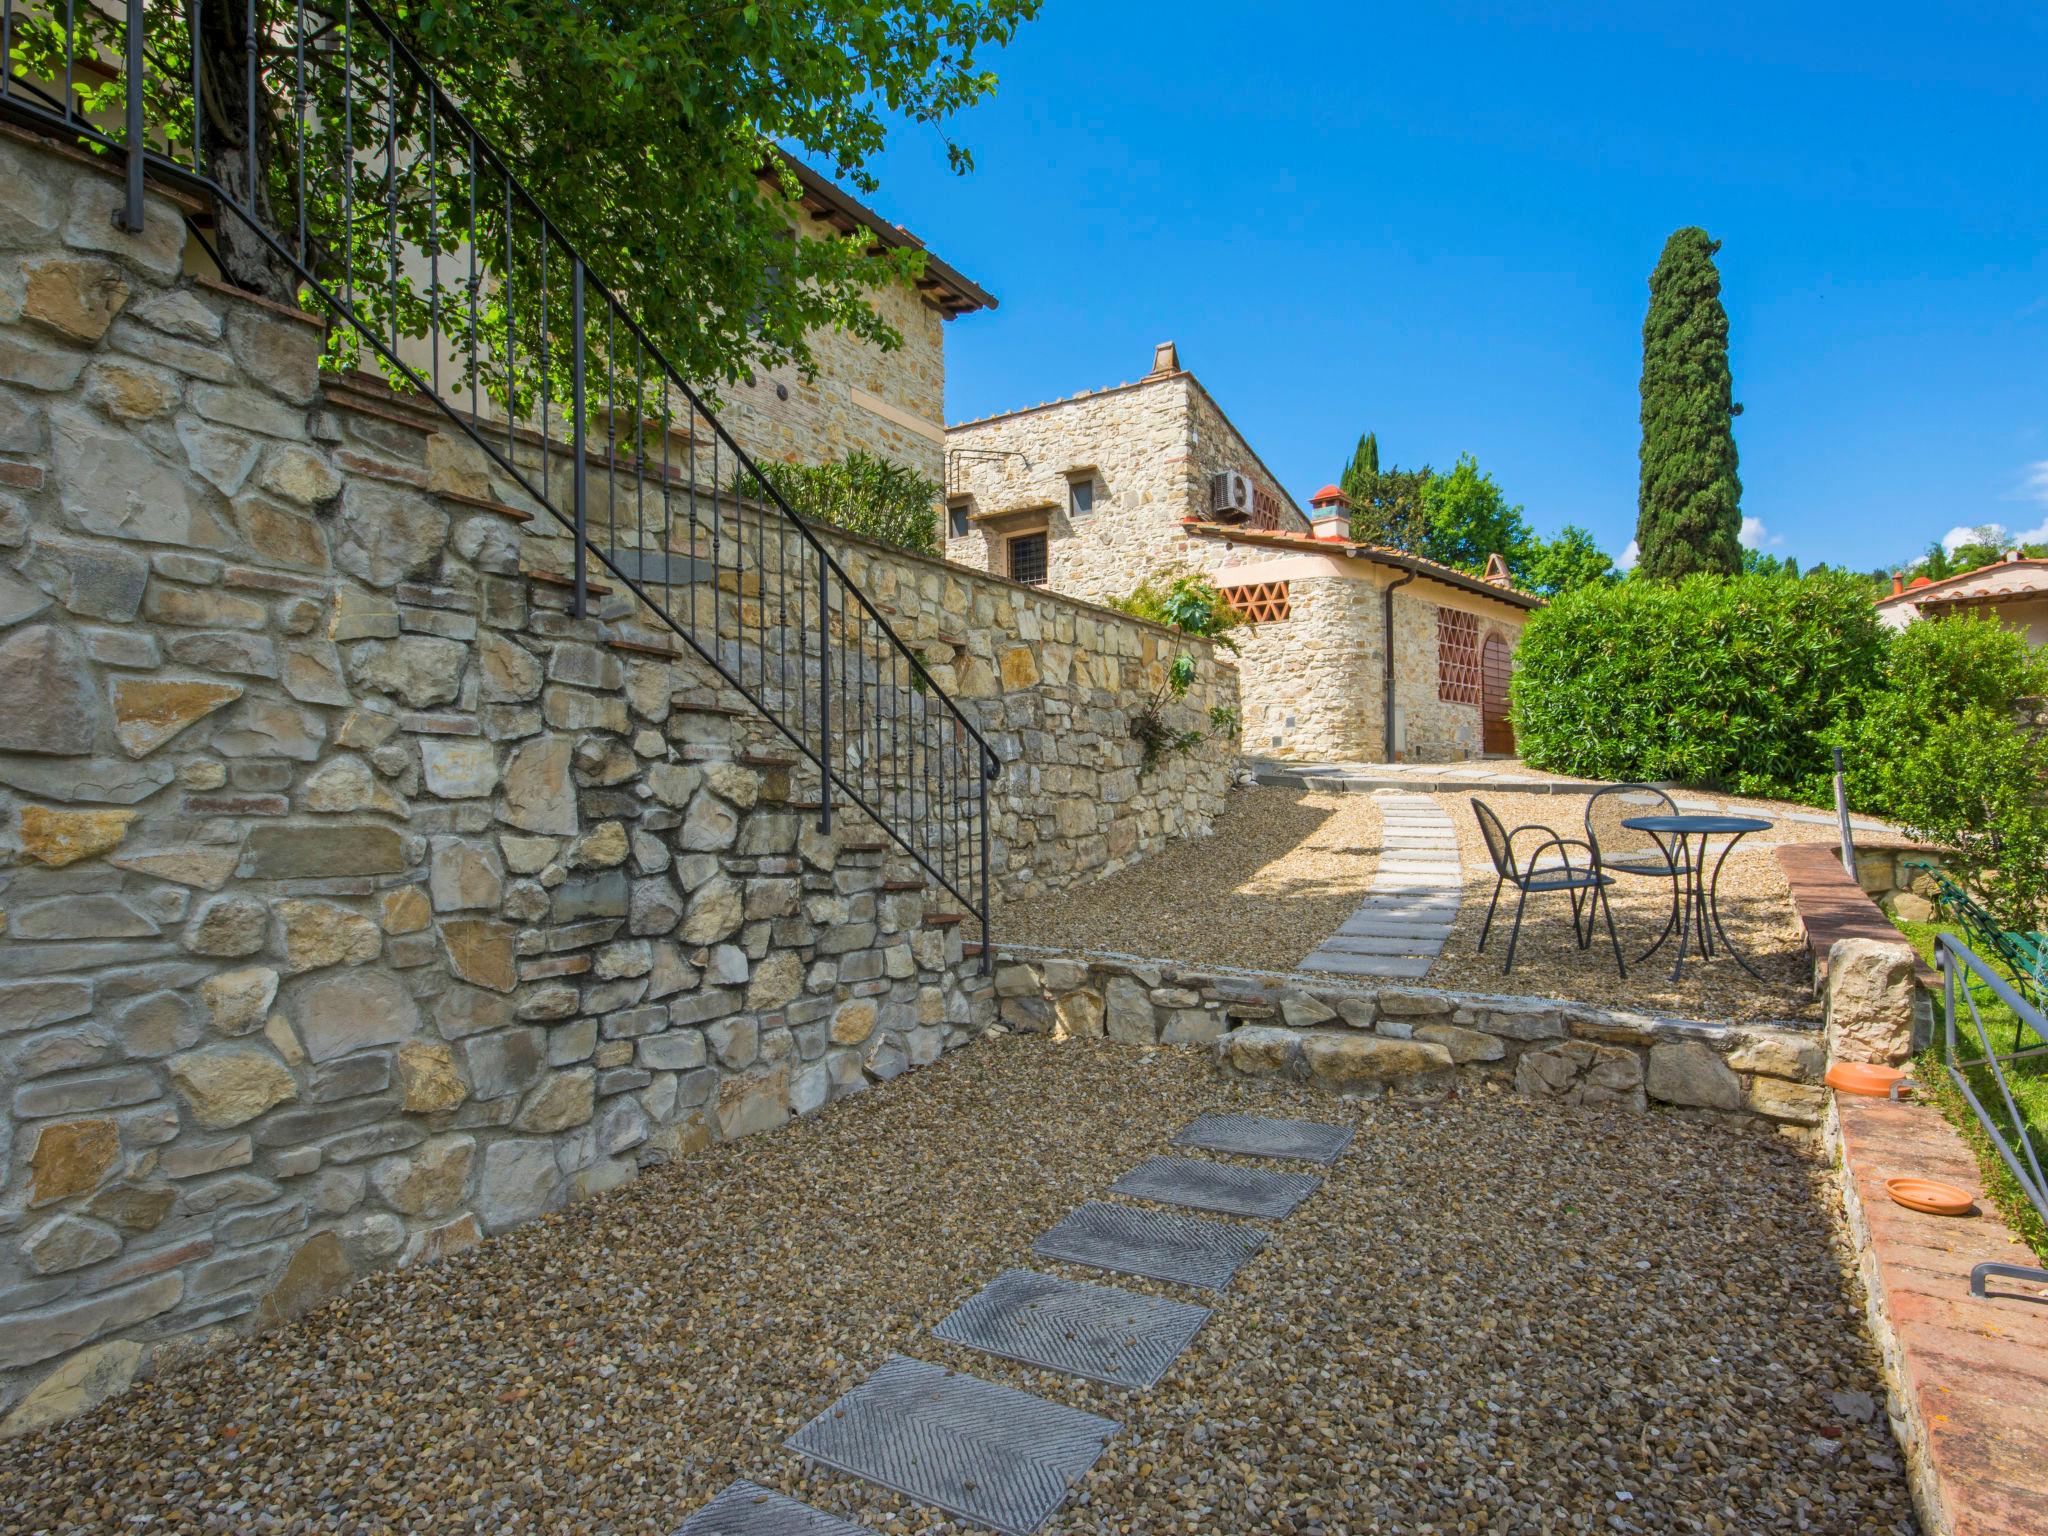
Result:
{"points": [[1495, 1317], [1281, 871]]}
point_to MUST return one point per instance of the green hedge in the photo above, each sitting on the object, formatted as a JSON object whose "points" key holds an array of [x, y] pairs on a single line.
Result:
{"points": [[1726, 682]]}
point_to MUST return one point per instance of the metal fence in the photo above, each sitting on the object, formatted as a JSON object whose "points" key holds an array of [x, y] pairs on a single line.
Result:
{"points": [[1964, 977], [347, 180]]}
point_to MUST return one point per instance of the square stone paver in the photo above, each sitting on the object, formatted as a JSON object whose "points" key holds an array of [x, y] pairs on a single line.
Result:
{"points": [[984, 1452], [1307, 1141], [1107, 1335], [1161, 1245], [1207, 1186], [748, 1509]]}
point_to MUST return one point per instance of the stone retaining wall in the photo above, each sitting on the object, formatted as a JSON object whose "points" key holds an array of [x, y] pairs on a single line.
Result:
{"points": [[1363, 1041], [359, 901]]}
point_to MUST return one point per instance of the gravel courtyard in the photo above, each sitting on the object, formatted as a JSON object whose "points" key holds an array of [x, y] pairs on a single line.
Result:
{"points": [[1494, 1317]]}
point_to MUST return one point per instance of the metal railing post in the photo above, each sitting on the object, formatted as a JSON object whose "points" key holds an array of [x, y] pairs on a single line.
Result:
{"points": [[987, 773], [824, 693], [581, 476], [130, 216]]}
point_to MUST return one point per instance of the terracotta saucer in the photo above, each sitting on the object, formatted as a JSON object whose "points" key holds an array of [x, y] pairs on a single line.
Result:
{"points": [[1931, 1196], [1862, 1077]]}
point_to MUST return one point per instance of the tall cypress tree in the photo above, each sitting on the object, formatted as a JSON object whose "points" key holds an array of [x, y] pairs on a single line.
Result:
{"points": [[1363, 472], [1689, 508]]}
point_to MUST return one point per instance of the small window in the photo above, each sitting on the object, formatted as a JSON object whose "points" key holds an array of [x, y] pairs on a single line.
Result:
{"points": [[956, 517], [1081, 498], [1027, 559], [1457, 657], [1262, 602]]}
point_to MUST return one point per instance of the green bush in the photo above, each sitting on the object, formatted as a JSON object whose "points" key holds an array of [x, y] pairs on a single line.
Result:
{"points": [[1728, 682], [863, 495], [1935, 747]]}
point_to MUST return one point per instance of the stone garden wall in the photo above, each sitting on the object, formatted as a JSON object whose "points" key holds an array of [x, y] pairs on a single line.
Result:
{"points": [[1367, 1042], [359, 902]]}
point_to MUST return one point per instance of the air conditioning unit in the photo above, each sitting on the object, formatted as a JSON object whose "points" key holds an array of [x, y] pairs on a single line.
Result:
{"points": [[1230, 496]]}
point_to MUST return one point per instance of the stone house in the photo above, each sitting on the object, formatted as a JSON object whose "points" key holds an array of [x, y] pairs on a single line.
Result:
{"points": [[1090, 494], [2014, 590]]}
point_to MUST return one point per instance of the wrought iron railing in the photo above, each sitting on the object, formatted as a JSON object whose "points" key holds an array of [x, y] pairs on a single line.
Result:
{"points": [[1964, 977], [347, 180]]}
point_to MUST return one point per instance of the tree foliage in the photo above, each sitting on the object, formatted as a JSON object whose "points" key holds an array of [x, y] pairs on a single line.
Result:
{"points": [[1936, 746], [862, 494], [1688, 510], [642, 129], [1359, 476], [1566, 563]]}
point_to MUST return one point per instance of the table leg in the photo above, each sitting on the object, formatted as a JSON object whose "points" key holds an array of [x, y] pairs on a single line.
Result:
{"points": [[1685, 912], [1714, 907]]}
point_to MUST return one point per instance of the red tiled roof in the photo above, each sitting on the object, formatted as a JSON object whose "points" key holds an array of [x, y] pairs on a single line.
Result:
{"points": [[1920, 586], [1450, 575]]}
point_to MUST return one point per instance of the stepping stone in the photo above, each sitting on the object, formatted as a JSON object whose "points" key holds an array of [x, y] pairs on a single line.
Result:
{"points": [[1106, 1335], [1160, 1245], [1308, 1141], [1377, 925], [987, 1453], [748, 1509], [1340, 964], [1207, 1186], [1377, 944]]}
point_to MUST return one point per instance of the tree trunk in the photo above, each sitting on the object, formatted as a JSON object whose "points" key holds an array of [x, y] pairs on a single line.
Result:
{"points": [[234, 158]]}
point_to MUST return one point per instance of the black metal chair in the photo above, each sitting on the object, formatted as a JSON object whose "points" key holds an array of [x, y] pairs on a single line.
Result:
{"points": [[1619, 850], [1587, 887]]}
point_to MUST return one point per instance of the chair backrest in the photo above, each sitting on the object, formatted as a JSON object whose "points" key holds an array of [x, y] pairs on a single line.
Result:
{"points": [[1607, 808], [1496, 839]]}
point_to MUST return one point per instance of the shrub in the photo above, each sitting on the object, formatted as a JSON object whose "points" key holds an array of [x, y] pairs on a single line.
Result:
{"points": [[1936, 748], [1191, 603], [1730, 682], [863, 495]]}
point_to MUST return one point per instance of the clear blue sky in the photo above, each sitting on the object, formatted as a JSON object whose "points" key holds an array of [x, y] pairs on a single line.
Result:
{"points": [[1438, 223]]}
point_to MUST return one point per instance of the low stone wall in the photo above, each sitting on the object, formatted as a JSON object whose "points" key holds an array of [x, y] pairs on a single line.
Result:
{"points": [[1411, 1039]]}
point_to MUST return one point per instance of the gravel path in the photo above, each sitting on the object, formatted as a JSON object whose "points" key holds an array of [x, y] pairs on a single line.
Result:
{"points": [[1755, 905], [1283, 869], [1496, 1316]]}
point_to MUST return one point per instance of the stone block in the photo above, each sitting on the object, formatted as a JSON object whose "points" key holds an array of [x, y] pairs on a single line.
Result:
{"points": [[1870, 1001], [1580, 1072], [352, 1011], [1691, 1073], [48, 702], [225, 1085]]}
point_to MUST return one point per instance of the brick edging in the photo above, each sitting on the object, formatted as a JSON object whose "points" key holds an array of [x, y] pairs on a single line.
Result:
{"points": [[1968, 1378]]}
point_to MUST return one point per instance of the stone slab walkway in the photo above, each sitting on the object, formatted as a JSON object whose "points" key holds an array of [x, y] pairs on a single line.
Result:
{"points": [[1400, 927]]}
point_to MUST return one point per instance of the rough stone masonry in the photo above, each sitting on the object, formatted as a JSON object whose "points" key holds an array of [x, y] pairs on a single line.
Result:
{"points": [[359, 901]]}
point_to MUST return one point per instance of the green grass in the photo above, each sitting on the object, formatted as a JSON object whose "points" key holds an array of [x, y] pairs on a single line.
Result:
{"points": [[2028, 1081]]}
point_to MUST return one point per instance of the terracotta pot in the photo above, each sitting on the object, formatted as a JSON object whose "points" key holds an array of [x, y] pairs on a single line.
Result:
{"points": [[1931, 1196], [1862, 1077]]}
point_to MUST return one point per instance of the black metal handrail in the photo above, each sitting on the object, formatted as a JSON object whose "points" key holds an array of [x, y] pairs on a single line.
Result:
{"points": [[1964, 973], [409, 179]]}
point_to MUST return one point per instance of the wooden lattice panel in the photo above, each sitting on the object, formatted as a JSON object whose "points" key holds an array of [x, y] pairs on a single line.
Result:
{"points": [[1261, 602], [1457, 657]]}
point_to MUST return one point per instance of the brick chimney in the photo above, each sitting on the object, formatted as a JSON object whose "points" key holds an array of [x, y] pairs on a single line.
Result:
{"points": [[1165, 359], [1330, 518], [1898, 582]]}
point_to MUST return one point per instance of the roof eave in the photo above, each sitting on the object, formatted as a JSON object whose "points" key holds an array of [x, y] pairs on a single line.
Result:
{"points": [[943, 286], [1514, 597]]}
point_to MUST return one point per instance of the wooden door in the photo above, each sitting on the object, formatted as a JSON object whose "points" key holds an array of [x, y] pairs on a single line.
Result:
{"points": [[1495, 665]]}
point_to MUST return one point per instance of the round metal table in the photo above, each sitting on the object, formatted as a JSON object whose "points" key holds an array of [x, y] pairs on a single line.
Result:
{"points": [[1694, 908]]}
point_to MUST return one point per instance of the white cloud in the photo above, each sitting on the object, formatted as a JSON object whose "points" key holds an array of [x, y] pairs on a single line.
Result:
{"points": [[1627, 561], [2034, 482], [1971, 533], [1754, 536]]}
